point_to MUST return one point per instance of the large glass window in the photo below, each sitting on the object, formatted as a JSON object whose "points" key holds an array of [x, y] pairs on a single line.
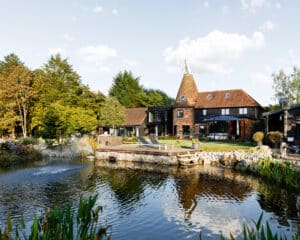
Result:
{"points": [[180, 113]]}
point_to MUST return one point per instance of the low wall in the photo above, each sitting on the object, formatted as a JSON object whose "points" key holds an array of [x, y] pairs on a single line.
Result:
{"points": [[244, 157], [136, 157], [234, 157]]}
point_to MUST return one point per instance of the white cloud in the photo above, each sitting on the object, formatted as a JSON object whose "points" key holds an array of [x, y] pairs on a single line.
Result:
{"points": [[54, 51], [213, 53], [225, 10], [115, 12], [206, 4], [96, 54], [267, 26], [68, 37], [253, 5], [98, 9]]}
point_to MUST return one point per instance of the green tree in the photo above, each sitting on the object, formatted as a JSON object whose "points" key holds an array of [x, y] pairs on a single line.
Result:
{"points": [[287, 86], [154, 97], [112, 113], [61, 121], [127, 90], [57, 84], [16, 94]]}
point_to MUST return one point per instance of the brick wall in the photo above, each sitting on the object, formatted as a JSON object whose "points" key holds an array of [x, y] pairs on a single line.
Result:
{"points": [[186, 120]]}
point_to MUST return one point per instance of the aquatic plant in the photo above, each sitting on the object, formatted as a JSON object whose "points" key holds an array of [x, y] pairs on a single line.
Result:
{"points": [[58, 223], [280, 172]]}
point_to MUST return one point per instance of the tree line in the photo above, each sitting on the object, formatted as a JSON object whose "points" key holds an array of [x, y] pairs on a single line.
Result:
{"points": [[52, 102]]}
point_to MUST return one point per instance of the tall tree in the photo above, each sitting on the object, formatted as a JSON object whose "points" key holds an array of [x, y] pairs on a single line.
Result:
{"points": [[112, 113], [15, 94], [57, 84], [287, 86], [21, 93], [126, 89]]}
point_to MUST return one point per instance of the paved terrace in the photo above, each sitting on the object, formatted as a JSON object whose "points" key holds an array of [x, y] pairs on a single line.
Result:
{"points": [[147, 150]]}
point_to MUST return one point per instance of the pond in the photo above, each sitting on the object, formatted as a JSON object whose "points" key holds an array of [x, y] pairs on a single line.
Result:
{"points": [[151, 202]]}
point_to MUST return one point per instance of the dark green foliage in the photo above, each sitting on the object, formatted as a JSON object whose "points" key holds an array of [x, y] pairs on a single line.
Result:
{"points": [[274, 137], [127, 89], [283, 173], [58, 223]]}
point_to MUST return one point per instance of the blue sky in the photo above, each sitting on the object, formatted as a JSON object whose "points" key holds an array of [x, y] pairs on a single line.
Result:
{"points": [[228, 43]]}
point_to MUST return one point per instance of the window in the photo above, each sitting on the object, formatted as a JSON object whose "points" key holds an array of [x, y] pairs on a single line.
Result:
{"points": [[150, 117], [225, 111], [209, 96], [204, 112], [182, 98], [243, 111], [180, 113], [227, 95]]}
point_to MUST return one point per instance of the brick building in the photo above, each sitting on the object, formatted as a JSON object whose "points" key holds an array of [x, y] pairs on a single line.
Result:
{"points": [[225, 114]]}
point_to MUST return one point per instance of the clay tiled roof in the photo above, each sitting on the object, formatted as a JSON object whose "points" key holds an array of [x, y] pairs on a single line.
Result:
{"points": [[135, 116], [225, 99], [188, 89]]}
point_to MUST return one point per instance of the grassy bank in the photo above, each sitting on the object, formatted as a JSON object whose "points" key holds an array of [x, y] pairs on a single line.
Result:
{"points": [[209, 146]]}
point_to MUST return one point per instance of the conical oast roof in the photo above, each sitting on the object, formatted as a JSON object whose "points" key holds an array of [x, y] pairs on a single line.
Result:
{"points": [[188, 92]]}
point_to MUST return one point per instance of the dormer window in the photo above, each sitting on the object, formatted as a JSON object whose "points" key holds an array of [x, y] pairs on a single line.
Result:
{"points": [[182, 98], [209, 96], [227, 95]]}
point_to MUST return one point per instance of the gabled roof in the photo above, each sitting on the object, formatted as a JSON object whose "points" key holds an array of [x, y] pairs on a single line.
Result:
{"points": [[225, 99], [135, 116]]}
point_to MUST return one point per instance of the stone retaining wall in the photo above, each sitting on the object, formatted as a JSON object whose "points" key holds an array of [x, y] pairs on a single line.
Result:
{"points": [[234, 157], [244, 157], [136, 157]]}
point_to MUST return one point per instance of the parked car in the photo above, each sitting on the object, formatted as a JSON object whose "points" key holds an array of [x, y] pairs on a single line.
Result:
{"points": [[294, 149]]}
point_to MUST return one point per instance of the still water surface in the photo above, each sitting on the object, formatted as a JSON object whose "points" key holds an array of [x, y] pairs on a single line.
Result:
{"points": [[148, 202]]}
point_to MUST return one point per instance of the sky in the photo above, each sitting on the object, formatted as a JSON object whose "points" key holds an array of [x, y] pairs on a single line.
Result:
{"points": [[228, 44]]}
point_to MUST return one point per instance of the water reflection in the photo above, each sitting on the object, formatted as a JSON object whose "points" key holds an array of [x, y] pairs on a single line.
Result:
{"points": [[152, 202]]}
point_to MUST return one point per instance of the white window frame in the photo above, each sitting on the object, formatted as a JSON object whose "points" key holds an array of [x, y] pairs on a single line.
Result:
{"points": [[180, 115], [225, 111], [243, 111]]}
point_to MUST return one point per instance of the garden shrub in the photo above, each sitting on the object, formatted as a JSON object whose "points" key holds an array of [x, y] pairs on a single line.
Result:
{"points": [[258, 137]]}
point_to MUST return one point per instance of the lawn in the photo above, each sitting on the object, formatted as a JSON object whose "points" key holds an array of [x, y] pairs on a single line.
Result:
{"points": [[210, 146]]}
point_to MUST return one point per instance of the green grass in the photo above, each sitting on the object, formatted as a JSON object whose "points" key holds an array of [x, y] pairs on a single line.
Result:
{"points": [[210, 146]]}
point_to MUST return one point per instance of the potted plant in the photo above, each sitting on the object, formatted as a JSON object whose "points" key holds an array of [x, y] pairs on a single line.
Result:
{"points": [[258, 138], [195, 143]]}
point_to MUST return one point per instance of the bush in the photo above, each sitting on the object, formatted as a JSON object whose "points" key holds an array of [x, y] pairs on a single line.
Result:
{"points": [[28, 141], [258, 137], [274, 137]]}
